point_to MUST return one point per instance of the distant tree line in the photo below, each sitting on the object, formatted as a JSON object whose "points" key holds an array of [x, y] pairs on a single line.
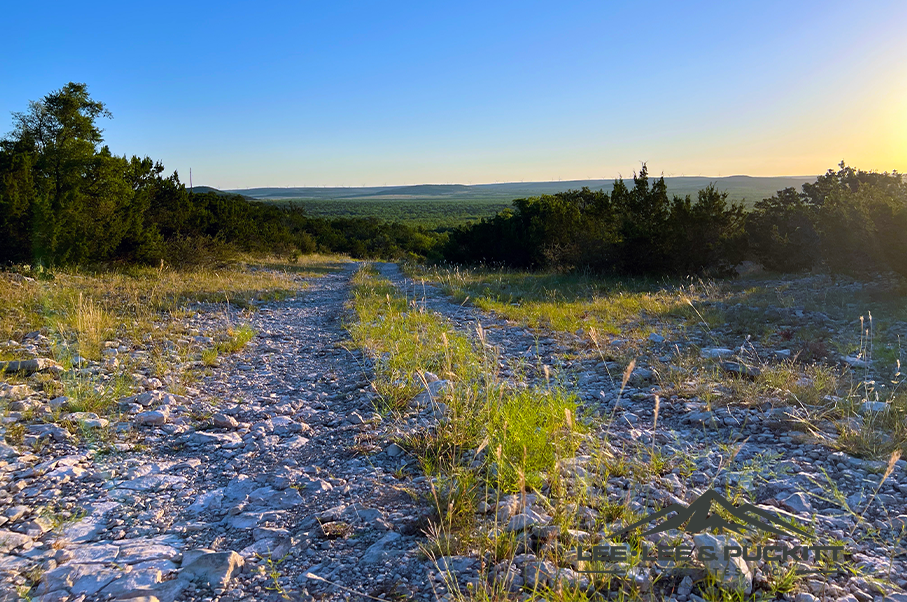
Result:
{"points": [[66, 199], [847, 221]]}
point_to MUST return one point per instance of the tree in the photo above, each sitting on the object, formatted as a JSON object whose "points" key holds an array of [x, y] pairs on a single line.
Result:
{"points": [[782, 232], [79, 191]]}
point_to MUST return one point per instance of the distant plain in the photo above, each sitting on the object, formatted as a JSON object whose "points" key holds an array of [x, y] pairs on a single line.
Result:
{"points": [[447, 205]]}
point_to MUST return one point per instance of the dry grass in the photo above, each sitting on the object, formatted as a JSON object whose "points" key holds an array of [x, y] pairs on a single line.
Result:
{"points": [[86, 307], [145, 309]]}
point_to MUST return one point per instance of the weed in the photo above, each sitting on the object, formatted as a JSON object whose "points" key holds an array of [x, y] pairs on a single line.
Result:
{"points": [[209, 356], [336, 529], [90, 394], [61, 516], [15, 433], [273, 573], [236, 339], [783, 579]]}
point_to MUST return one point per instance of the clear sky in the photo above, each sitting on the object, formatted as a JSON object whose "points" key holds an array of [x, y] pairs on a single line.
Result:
{"points": [[353, 93]]}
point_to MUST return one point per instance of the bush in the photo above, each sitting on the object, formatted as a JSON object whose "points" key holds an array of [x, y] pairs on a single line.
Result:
{"points": [[636, 230], [782, 233]]}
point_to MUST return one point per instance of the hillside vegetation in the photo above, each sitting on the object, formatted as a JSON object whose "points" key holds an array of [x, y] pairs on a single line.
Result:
{"points": [[848, 220], [66, 199]]}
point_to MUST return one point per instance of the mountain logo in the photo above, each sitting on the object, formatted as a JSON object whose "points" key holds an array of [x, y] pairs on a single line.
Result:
{"points": [[698, 517]]}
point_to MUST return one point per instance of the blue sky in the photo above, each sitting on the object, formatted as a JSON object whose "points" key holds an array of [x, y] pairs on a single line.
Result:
{"points": [[371, 93]]}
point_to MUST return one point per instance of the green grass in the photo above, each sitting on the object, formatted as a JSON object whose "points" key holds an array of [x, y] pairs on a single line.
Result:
{"points": [[235, 339], [88, 394], [525, 430], [567, 302], [615, 317]]}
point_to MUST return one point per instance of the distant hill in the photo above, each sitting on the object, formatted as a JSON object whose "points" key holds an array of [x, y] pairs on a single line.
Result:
{"points": [[739, 188], [207, 189]]}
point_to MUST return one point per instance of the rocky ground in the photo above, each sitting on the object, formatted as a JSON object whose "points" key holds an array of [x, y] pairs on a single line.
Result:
{"points": [[274, 478]]}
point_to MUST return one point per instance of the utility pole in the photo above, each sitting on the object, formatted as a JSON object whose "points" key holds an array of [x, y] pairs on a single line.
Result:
{"points": [[190, 179]]}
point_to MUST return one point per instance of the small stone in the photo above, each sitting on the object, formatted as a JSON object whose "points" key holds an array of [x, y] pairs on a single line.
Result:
{"points": [[431, 393], [140, 580], [686, 586], [539, 574], [36, 527], [14, 513], [152, 418], [9, 541], [215, 569], [393, 450], [715, 352], [54, 431], [226, 440], [873, 407], [87, 419], [27, 367], [15, 391], [529, 518], [381, 549], [855, 362], [641, 376], [741, 369], [798, 502], [222, 421]]}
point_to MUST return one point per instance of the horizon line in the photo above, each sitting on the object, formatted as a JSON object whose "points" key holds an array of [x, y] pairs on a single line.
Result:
{"points": [[507, 182]]}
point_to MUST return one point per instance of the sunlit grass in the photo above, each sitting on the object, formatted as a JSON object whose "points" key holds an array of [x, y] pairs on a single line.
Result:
{"points": [[567, 302], [86, 307], [526, 430], [145, 310]]}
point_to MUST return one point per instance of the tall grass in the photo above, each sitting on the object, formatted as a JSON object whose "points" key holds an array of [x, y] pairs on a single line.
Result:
{"points": [[566, 302], [88, 323], [507, 437]]}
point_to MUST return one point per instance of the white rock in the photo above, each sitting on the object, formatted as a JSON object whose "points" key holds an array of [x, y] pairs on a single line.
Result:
{"points": [[381, 549], [528, 518], [152, 418], [715, 352], [855, 362], [431, 393], [870, 407], [215, 569], [210, 500], [222, 421], [227, 440], [9, 541]]}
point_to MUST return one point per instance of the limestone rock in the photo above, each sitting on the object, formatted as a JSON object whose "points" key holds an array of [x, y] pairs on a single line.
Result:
{"points": [[381, 550], [152, 418], [212, 568], [9, 541], [27, 367]]}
